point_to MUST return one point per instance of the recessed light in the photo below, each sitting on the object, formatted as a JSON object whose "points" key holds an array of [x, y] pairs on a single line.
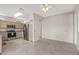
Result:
{"points": [[18, 14]]}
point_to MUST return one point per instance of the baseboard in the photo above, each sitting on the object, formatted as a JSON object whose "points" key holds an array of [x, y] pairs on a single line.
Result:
{"points": [[58, 40]]}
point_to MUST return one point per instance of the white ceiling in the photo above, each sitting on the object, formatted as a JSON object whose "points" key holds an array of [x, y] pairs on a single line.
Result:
{"points": [[58, 9], [29, 9]]}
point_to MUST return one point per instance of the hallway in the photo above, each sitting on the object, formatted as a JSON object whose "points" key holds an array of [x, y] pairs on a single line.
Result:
{"points": [[41, 47]]}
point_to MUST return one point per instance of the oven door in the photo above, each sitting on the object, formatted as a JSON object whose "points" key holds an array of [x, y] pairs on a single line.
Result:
{"points": [[11, 34]]}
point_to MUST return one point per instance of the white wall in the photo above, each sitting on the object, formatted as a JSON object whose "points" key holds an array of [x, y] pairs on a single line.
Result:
{"points": [[75, 25], [30, 27], [37, 27], [77, 34], [58, 27]]}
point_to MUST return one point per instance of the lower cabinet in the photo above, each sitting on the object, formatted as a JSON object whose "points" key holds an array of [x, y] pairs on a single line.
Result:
{"points": [[19, 34], [0, 44]]}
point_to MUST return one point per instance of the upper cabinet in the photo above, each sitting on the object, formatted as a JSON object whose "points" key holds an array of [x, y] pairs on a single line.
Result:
{"points": [[8, 24]]}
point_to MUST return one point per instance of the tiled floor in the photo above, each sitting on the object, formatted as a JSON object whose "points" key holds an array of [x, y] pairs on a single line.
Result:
{"points": [[41, 47]]}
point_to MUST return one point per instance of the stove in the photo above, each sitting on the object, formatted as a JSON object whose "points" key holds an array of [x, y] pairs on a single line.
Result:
{"points": [[11, 33]]}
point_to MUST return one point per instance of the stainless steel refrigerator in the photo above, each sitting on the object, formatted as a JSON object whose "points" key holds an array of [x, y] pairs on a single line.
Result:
{"points": [[26, 32]]}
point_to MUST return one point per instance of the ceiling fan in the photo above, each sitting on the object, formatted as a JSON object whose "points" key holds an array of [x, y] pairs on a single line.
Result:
{"points": [[45, 7]]}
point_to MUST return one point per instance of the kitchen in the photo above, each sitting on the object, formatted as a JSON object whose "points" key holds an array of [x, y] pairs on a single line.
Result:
{"points": [[12, 30]]}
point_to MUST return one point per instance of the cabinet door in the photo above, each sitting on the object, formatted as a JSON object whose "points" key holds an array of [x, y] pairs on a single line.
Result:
{"points": [[0, 44], [19, 34]]}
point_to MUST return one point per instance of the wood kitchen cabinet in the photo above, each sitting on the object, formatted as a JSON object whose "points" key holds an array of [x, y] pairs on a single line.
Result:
{"points": [[0, 44], [19, 34], [18, 28]]}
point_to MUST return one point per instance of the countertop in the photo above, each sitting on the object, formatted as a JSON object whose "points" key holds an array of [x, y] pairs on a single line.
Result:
{"points": [[17, 30]]}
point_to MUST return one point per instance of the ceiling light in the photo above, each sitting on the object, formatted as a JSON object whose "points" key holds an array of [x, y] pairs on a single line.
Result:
{"points": [[45, 7], [18, 14]]}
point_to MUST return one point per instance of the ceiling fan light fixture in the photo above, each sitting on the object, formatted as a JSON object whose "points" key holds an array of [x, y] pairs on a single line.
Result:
{"points": [[44, 9]]}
